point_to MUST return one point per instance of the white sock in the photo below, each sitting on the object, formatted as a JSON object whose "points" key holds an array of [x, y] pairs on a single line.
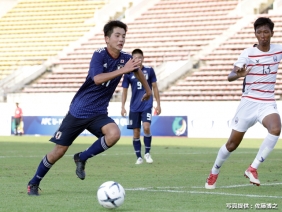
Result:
{"points": [[266, 147], [222, 155]]}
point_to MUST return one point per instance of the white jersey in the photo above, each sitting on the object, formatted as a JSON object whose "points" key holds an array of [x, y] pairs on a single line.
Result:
{"points": [[259, 84]]}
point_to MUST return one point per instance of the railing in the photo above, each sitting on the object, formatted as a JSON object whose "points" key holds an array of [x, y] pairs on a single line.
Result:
{"points": [[19, 78], [171, 71]]}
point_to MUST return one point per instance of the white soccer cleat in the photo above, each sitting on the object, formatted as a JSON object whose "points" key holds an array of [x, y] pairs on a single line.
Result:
{"points": [[252, 174], [139, 161], [148, 158]]}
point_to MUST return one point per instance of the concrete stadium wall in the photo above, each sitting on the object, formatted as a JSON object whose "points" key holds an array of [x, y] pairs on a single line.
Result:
{"points": [[6, 5], [5, 119], [205, 119]]}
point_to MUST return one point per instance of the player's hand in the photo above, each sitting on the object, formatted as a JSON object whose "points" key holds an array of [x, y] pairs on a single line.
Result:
{"points": [[158, 110], [123, 112], [131, 65], [146, 97], [242, 72]]}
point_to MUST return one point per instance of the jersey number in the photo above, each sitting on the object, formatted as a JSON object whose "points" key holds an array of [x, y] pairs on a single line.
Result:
{"points": [[139, 85], [266, 70], [149, 116]]}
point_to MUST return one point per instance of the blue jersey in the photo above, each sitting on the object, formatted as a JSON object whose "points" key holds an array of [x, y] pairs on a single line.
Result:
{"points": [[91, 99], [136, 105]]}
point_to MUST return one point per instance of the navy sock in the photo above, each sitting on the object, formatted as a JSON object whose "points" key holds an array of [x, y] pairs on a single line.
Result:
{"points": [[137, 147], [96, 148], [42, 170], [147, 142]]}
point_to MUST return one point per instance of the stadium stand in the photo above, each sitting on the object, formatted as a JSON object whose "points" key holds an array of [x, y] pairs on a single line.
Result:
{"points": [[35, 30], [169, 31], [210, 82]]}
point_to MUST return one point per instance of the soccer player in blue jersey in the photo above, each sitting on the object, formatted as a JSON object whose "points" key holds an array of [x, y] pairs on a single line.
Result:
{"points": [[140, 111], [88, 109]]}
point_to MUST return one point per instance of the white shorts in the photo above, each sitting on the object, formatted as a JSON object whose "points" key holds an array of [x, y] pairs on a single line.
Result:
{"points": [[249, 112]]}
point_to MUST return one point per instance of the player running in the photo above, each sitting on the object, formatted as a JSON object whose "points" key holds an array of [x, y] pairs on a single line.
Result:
{"points": [[259, 66], [88, 109]]}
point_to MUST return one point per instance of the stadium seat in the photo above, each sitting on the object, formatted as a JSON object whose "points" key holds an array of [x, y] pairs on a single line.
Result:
{"points": [[210, 81], [168, 31], [35, 30]]}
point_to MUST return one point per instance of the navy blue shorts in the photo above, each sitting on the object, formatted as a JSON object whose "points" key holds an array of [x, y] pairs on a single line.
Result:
{"points": [[135, 118], [72, 127]]}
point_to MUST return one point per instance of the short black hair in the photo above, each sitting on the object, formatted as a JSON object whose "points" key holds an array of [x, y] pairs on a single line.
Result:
{"points": [[137, 51], [264, 21], [109, 27]]}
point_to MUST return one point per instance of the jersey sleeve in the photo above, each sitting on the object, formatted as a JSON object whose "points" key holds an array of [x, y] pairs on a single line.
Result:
{"points": [[125, 81], [242, 59], [96, 64], [153, 76]]}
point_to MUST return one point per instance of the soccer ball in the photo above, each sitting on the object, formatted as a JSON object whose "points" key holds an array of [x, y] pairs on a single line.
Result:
{"points": [[110, 194]]}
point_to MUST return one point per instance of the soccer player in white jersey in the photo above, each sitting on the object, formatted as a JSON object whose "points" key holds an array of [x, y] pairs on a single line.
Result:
{"points": [[259, 66]]}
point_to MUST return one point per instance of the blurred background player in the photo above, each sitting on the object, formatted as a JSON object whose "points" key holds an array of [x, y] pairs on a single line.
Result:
{"points": [[259, 66], [88, 109], [18, 120], [140, 111]]}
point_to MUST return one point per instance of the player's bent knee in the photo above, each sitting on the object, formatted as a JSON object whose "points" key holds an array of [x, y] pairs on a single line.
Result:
{"points": [[112, 137], [275, 131], [60, 150], [230, 146], [57, 153], [111, 133]]}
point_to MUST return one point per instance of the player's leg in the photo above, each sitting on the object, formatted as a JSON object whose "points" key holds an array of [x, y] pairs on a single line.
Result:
{"points": [[270, 119], [272, 123], [63, 138], [223, 153], [20, 128], [245, 117], [107, 132], [17, 125], [135, 124], [44, 166], [137, 145], [146, 120], [111, 134]]}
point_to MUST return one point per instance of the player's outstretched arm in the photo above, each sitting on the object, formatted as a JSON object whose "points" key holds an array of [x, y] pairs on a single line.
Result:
{"points": [[238, 72], [128, 67], [123, 100], [157, 97]]}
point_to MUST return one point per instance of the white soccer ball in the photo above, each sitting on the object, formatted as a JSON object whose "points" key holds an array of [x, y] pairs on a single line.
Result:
{"points": [[111, 194]]}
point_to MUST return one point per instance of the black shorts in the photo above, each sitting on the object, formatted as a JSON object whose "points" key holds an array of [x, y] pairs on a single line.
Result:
{"points": [[18, 121], [72, 127], [135, 118]]}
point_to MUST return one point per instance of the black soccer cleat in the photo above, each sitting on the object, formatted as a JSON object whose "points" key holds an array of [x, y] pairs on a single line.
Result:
{"points": [[80, 166], [32, 189]]}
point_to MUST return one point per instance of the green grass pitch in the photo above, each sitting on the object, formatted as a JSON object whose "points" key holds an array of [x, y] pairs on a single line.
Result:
{"points": [[174, 182]]}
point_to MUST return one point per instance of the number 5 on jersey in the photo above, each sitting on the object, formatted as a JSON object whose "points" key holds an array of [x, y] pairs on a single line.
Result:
{"points": [[149, 116]]}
